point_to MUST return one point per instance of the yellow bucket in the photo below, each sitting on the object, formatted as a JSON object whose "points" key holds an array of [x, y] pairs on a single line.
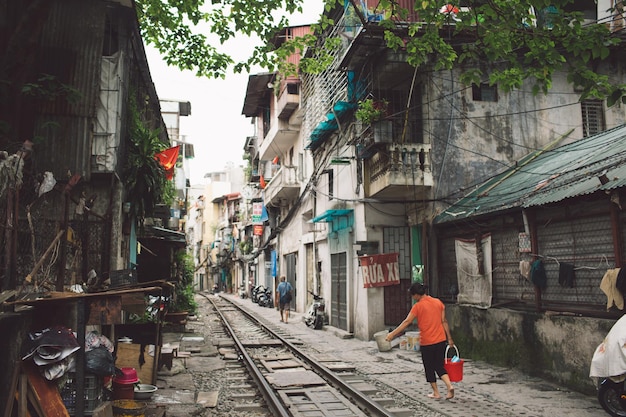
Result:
{"points": [[129, 408]]}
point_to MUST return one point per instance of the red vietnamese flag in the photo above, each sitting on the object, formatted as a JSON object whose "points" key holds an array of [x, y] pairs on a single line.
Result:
{"points": [[167, 159]]}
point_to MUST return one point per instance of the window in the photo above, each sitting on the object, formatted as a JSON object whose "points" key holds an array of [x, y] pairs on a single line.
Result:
{"points": [[593, 117], [301, 170], [484, 92], [293, 88], [331, 180]]}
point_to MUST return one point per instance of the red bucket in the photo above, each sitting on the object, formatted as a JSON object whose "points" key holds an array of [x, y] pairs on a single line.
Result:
{"points": [[454, 369]]}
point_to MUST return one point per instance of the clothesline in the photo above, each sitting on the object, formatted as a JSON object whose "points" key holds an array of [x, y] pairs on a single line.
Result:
{"points": [[602, 258]]}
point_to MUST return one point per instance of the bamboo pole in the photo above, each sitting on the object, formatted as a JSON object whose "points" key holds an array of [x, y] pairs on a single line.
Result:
{"points": [[29, 277]]}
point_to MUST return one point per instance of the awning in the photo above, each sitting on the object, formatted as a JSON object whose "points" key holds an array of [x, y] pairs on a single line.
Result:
{"points": [[330, 215], [161, 233], [257, 93], [325, 128]]}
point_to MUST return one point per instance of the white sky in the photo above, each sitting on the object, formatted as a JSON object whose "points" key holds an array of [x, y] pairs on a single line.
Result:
{"points": [[216, 126]]}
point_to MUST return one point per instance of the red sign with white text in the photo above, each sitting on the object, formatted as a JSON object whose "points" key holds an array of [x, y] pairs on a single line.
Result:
{"points": [[380, 270]]}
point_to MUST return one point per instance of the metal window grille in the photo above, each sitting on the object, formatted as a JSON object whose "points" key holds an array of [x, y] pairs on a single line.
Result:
{"points": [[593, 117], [484, 92]]}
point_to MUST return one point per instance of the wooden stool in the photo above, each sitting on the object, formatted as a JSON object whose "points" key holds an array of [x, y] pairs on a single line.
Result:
{"points": [[183, 356], [167, 355]]}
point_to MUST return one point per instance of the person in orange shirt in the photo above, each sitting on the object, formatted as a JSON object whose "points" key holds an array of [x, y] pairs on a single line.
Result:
{"points": [[430, 314]]}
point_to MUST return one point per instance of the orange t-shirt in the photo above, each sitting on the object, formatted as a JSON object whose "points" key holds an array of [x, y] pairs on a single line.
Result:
{"points": [[428, 311]]}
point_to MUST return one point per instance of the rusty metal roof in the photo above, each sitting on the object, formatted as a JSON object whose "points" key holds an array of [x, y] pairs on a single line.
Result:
{"points": [[596, 163]]}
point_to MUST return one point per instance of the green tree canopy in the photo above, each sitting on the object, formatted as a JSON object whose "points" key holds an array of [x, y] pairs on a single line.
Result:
{"points": [[190, 34], [496, 41]]}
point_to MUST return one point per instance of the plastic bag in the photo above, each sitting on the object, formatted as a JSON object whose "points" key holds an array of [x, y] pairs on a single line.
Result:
{"points": [[99, 361]]}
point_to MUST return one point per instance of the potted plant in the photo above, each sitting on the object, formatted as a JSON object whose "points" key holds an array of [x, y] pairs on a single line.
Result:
{"points": [[183, 301], [370, 110], [143, 175]]}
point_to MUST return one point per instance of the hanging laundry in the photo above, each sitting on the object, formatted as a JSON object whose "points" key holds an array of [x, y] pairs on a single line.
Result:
{"points": [[538, 274], [620, 281], [566, 275], [607, 285], [524, 269]]}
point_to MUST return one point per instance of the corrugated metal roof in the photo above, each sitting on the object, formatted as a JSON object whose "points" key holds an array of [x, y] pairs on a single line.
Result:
{"points": [[549, 176]]}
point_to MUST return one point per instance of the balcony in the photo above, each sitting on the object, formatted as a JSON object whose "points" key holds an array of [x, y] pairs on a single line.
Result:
{"points": [[398, 170], [283, 187], [288, 101], [280, 137]]}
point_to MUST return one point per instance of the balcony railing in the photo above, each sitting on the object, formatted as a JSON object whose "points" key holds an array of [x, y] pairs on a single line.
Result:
{"points": [[397, 166], [283, 187]]}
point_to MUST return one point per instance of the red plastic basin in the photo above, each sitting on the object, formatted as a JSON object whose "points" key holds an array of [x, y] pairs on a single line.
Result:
{"points": [[128, 376]]}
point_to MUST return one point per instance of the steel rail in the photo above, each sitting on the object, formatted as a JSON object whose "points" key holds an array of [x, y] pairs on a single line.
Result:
{"points": [[360, 399], [274, 403]]}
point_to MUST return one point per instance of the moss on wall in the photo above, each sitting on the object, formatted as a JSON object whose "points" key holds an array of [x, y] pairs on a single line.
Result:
{"points": [[557, 348]]}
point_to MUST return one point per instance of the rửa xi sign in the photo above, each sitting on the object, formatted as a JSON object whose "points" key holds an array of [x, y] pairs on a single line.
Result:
{"points": [[380, 270]]}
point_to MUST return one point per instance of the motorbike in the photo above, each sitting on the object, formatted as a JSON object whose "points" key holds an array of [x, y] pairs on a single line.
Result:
{"points": [[255, 293], [315, 315], [265, 298], [608, 365], [242, 292]]}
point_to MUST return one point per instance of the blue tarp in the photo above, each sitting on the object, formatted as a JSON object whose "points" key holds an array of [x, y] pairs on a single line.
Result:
{"points": [[331, 124]]}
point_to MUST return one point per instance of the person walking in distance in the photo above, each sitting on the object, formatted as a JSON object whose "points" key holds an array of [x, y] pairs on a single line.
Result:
{"points": [[430, 314], [284, 298]]}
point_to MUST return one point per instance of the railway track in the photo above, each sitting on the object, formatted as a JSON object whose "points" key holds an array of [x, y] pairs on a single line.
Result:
{"points": [[272, 374], [217, 379]]}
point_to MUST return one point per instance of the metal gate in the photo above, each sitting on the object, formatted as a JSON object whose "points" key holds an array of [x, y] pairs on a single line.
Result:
{"points": [[291, 265], [338, 296], [397, 302]]}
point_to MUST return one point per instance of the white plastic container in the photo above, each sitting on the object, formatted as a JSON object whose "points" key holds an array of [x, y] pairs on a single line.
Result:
{"points": [[413, 341], [403, 342]]}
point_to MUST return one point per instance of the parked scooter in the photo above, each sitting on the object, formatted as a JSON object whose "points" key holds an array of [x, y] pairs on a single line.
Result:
{"points": [[315, 315], [256, 291], [242, 292], [265, 298], [609, 366]]}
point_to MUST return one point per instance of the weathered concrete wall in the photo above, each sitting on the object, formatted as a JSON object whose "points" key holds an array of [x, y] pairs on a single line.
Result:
{"points": [[555, 347]]}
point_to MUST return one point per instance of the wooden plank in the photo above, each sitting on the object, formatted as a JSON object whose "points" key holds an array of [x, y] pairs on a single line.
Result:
{"points": [[45, 393], [8, 408], [5, 295], [128, 356], [284, 380], [134, 303], [56, 296], [105, 310], [22, 401], [273, 365]]}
